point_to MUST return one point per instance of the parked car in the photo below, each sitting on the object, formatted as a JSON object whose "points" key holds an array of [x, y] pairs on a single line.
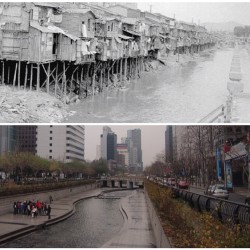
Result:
{"points": [[183, 184], [209, 190], [219, 191], [171, 181]]}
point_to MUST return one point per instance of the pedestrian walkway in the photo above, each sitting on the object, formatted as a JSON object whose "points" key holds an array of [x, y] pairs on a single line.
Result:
{"points": [[12, 226], [137, 230]]}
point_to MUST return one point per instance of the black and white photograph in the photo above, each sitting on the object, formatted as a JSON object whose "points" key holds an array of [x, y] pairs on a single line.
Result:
{"points": [[124, 62]]}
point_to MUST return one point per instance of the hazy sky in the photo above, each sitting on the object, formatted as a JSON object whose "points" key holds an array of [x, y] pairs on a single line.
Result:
{"points": [[203, 11], [153, 139]]}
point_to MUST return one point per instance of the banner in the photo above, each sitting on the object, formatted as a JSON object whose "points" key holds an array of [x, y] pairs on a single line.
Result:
{"points": [[228, 174], [218, 159]]}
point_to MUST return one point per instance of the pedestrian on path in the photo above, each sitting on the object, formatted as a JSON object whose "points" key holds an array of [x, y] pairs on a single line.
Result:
{"points": [[50, 199], [49, 211]]}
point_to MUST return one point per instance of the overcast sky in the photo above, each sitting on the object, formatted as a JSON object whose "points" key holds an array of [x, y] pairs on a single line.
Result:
{"points": [[153, 139], [203, 11]]}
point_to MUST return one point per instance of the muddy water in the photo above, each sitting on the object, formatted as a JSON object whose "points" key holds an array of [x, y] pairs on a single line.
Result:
{"points": [[174, 94]]}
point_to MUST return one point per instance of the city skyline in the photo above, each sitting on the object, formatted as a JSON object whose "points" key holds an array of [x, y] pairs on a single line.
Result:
{"points": [[152, 139]]}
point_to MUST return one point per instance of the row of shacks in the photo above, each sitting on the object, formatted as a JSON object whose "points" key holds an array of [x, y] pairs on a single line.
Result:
{"points": [[66, 47]]}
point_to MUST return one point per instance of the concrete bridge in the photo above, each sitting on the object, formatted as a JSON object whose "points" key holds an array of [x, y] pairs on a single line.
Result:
{"points": [[123, 182]]}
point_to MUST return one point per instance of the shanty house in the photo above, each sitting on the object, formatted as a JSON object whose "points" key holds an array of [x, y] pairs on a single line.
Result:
{"points": [[81, 23]]}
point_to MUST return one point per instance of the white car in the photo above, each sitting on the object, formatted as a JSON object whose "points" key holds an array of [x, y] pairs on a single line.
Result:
{"points": [[219, 191]]}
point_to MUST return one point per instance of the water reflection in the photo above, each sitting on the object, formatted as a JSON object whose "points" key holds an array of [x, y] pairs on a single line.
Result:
{"points": [[175, 94], [93, 224]]}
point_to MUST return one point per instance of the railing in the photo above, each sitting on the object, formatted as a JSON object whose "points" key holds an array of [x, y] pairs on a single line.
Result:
{"points": [[224, 210], [214, 115]]}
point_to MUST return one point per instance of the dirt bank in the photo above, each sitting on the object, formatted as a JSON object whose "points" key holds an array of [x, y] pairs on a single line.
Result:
{"points": [[22, 106]]}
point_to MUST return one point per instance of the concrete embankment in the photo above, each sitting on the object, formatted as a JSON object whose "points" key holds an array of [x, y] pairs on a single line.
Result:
{"points": [[161, 239]]}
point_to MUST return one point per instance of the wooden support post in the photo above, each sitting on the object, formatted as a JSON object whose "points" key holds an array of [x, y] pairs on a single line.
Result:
{"points": [[48, 77], [87, 74], [31, 75], [38, 77], [26, 76], [117, 65], [56, 80], [93, 84], [121, 70], [104, 75], [71, 82], [8, 80], [64, 79], [81, 79], [108, 78], [125, 69], [3, 74], [14, 80], [101, 82], [19, 74], [136, 68]]}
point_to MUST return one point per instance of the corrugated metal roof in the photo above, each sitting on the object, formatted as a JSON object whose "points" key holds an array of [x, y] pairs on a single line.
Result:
{"points": [[132, 32], [44, 4], [52, 29], [44, 29], [129, 20], [125, 37], [79, 11]]}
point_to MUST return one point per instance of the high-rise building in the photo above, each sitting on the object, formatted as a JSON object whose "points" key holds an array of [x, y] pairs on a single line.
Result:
{"points": [[134, 148], [104, 136], [169, 147], [122, 154], [62, 143], [26, 138], [7, 139], [111, 146]]}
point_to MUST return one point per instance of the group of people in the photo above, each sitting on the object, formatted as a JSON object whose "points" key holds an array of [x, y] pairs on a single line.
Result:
{"points": [[32, 208]]}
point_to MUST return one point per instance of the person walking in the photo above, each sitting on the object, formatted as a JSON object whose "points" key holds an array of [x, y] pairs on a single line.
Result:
{"points": [[49, 211]]}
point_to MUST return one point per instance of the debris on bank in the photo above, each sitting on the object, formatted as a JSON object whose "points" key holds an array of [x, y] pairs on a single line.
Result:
{"points": [[22, 106]]}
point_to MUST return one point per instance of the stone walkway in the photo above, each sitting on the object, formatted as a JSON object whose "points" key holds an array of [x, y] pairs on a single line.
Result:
{"points": [[137, 230]]}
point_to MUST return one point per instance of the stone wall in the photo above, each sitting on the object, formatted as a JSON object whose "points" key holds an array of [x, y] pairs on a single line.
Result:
{"points": [[161, 240], [6, 203]]}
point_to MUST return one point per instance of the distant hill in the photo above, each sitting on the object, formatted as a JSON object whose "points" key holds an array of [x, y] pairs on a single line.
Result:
{"points": [[228, 26]]}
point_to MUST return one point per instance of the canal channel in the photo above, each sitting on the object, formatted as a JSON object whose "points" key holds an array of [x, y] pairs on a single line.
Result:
{"points": [[94, 223], [184, 92]]}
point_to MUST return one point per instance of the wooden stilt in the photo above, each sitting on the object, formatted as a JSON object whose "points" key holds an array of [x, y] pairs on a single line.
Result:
{"points": [[64, 79], [31, 76], [93, 84], [56, 79], [38, 77], [26, 76], [48, 78], [101, 82], [8, 74], [121, 70], [81, 79], [19, 74], [108, 77], [14, 80], [104, 75], [3, 82], [125, 69], [117, 65]]}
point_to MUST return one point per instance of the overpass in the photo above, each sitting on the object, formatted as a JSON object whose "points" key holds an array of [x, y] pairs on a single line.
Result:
{"points": [[123, 182]]}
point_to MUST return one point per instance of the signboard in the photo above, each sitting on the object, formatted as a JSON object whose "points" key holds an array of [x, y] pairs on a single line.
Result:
{"points": [[218, 159], [228, 174]]}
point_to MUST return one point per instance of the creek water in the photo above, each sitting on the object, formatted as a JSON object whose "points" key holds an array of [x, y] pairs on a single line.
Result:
{"points": [[175, 93], [95, 222]]}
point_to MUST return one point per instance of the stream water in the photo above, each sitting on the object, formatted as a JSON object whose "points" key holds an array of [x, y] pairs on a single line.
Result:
{"points": [[173, 94]]}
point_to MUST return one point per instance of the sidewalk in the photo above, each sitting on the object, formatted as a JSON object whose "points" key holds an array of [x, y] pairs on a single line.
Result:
{"points": [[137, 230], [12, 226]]}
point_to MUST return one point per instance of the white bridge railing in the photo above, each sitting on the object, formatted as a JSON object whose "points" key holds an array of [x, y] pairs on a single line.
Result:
{"points": [[215, 115]]}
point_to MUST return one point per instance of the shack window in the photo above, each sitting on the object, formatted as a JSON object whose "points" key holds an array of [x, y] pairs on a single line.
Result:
{"points": [[112, 27], [108, 28]]}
